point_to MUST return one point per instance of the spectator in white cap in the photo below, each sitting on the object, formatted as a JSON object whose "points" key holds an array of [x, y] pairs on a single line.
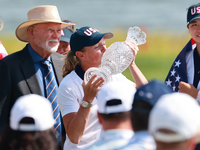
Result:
{"points": [[114, 101], [64, 46], [31, 125], [174, 122], [144, 100]]}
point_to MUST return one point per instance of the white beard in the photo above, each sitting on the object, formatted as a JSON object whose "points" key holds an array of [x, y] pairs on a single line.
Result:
{"points": [[48, 48]]}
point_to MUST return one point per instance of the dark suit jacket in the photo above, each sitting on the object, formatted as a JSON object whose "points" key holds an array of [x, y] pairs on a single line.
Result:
{"points": [[17, 78]]}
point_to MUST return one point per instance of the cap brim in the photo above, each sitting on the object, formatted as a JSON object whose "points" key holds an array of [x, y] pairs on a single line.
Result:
{"points": [[197, 17], [67, 34], [21, 31], [65, 39], [98, 37], [164, 137], [107, 35]]}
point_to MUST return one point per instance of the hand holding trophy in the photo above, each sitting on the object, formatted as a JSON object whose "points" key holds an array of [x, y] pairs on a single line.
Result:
{"points": [[117, 57]]}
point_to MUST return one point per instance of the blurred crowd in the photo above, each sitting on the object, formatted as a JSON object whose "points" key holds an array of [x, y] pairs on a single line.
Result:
{"points": [[46, 103]]}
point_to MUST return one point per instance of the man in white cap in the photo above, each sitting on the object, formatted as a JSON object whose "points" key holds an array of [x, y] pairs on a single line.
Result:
{"points": [[174, 122], [31, 126], [114, 102], [33, 70]]}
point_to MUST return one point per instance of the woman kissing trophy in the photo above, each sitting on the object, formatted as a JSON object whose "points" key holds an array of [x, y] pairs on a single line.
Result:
{"points": [[117, 57]]}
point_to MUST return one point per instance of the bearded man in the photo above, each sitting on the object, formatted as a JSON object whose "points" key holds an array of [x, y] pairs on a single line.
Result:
{"points": [[23, 72]]}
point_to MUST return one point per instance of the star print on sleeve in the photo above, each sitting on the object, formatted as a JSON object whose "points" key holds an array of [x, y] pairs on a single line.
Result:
{"points": [[177, 63], [168, 82], [178, 79], [174, 88], [178, 71], [173, 78], [173, 72]]}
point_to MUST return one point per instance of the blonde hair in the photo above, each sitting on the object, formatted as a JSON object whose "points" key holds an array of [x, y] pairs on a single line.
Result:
{"points": [[70, 27], [70, 63]]}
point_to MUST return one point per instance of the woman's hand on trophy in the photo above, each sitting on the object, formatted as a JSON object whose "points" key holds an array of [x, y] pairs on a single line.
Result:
{"points": [[133, 47], [91, 88]]}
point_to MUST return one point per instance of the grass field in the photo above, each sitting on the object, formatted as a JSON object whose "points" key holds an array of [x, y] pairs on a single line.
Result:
{"points": [[154, 58]]}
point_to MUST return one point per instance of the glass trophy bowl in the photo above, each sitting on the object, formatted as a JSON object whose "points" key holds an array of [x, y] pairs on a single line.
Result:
{"points": [[117, 57]]}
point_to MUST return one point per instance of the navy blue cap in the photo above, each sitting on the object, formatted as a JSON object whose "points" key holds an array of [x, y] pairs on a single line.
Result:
{"points": [[86, 36], [150, 93], [193, 13], [65, 36]]}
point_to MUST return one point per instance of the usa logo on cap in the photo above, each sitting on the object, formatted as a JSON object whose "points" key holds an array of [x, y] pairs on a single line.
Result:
{"points": [[90, 31], [195, 10]]}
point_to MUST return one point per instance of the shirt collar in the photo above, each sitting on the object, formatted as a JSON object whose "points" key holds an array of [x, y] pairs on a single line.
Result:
{"points": [[35, 56], [79, 71], [142, 133]]}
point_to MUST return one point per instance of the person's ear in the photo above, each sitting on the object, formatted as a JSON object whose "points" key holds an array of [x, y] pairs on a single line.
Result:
{"points": [[99, 118], [31, 31], [80, 55]]}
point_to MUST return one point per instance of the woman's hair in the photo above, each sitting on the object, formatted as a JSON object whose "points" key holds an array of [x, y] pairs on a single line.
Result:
{"points": [[70, 27], [70, 63], [28, 140], [20, 140]]}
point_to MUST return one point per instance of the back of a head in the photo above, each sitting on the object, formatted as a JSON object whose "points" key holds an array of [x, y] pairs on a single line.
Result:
{"points": [[144, 100], [31, 124], [115, 99], [175, 119], [32, 106]]}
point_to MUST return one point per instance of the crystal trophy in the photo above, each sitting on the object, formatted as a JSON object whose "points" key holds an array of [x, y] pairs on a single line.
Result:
{"points": [[117, 57]]}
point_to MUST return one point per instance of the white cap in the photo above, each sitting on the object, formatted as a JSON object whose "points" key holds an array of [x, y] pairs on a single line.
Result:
{"points": [[115, 97], [34, 106], [177, 112]]}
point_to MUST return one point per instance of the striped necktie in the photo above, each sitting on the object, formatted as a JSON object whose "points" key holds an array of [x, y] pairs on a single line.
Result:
{"points": [[51, 94]]}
